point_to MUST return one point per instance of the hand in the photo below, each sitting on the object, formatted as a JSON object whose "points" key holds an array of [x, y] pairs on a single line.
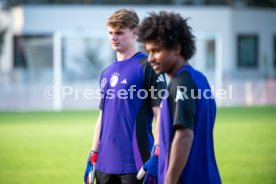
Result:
{"points": [[150, 168], [89, 175]]}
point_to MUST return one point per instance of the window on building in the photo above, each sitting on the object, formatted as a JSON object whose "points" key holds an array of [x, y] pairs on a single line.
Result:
{"points": [[33, 51], [84, 58], [210, 54], [247, 51]]}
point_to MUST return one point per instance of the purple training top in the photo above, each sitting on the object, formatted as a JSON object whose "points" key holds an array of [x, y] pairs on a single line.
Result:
{"points": [[126, 133], [190, 105]]}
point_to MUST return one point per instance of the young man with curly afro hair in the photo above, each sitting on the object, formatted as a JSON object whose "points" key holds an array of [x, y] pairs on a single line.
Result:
{"points": [[187, 115]]}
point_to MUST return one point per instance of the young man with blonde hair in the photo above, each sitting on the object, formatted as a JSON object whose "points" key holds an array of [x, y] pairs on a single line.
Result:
{"points": [[123, 135]]}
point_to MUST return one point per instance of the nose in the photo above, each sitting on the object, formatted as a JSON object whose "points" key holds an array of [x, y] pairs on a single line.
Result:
{"points": [[150, 58], [113, 37]]}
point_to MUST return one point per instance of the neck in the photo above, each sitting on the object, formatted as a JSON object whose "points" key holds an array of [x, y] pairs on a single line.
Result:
{"points": [[126, 54], [178, 64]]}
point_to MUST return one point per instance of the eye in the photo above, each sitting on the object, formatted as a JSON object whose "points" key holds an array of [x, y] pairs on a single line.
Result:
{"points": [[119, 33], [155, 50]]}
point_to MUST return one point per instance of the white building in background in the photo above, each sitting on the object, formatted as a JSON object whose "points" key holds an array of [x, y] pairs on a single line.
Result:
{"points": [[236, 49]]}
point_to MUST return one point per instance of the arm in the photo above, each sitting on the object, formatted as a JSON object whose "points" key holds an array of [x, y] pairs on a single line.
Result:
{"points": [[180, 151], [150, 168], [184, 112], [97, 132], [89, 174], [156, 111], [153, 82]]}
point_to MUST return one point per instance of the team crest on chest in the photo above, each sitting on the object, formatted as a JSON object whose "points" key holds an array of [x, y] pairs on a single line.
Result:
{"points": [[114, 79], [103, 83]]}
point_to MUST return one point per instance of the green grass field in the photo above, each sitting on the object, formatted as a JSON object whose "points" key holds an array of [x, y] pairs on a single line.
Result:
{"points": [[52, 148]]}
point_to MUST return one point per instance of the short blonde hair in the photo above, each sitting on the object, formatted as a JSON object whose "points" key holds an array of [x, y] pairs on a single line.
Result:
{"points": [[123, 18]]}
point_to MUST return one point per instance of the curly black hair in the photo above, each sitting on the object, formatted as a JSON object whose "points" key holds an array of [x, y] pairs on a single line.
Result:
{"points": [[170, 30]]}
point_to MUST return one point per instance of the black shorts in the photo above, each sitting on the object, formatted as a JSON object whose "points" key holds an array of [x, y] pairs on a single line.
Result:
{"points": [[104, 178]]}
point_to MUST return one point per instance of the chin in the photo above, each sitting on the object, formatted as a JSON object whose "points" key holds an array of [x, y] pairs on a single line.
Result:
{"points": [[115, 48], [158, 72]]}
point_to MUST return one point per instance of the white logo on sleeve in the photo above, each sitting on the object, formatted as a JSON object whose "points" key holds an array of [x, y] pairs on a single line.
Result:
{"points": [[179, 96], [124, 81], [160, 79], [114, 79]]}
